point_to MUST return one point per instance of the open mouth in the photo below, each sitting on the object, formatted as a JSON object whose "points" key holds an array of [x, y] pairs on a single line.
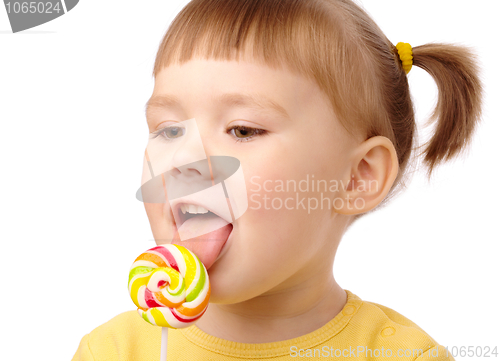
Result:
{"points": [[187, 211], [200, 230]]}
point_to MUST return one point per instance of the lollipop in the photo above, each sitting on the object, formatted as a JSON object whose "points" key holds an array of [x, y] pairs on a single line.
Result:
{"points": [[170, 287]]}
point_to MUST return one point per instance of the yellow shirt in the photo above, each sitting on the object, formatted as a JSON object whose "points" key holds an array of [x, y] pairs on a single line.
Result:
{"points": [[362, 331]]}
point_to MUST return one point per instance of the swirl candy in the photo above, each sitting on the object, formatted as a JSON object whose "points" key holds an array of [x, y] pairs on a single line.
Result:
{"points": [[169, 285]]}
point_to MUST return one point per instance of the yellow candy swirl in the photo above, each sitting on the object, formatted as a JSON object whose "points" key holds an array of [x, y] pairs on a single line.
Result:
{"points": [[170, 286]]}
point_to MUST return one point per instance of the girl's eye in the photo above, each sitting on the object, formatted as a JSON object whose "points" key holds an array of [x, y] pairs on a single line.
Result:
{"points": [[240, 132], [244, 134], [170, 132]]}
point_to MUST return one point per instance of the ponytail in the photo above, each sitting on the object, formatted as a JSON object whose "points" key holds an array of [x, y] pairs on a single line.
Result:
{"points": [[460, 94]]}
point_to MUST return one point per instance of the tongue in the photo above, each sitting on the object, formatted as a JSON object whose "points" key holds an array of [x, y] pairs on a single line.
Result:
{"points": [[199, 239]]}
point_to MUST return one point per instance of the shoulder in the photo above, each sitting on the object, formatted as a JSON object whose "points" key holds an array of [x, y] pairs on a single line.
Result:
{"points": [[125, 319], [125, 325], [392, 317], [120, 337], [382, 326]]}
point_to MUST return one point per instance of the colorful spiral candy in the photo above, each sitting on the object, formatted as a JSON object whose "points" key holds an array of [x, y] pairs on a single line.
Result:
{"points": [[170, 286]]}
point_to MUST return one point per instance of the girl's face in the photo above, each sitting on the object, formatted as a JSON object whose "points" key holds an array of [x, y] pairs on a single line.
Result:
{"points": [[287, 234]]}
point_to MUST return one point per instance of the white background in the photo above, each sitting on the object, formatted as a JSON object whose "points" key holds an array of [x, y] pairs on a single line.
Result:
{"points": [[72, 138]]}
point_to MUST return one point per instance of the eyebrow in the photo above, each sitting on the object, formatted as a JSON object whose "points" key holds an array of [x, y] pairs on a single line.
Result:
{"points": [[229, 99]]}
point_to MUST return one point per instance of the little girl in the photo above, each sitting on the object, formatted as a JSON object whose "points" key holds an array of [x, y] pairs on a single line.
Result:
{"points": [[295, 90]]}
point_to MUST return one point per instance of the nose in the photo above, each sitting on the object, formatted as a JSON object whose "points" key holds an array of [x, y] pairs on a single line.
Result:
{"points": [[189, 168], [188, 155], [189, 172], [188, 161]]}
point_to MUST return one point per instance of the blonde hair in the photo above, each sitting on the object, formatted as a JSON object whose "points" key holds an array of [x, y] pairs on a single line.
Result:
{"points": [[338, 45]]}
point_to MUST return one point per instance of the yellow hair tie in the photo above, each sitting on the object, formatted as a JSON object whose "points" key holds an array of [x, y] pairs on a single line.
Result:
{"points": [[406, 56]]}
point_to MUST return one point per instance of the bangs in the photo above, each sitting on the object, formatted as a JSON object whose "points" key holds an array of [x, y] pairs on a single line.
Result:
{"points": [[277, 33]]}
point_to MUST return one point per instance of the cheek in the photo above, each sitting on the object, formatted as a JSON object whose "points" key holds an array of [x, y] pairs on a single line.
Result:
{"points": [[160, 227], [156, 211], [153, 210], [272, 235], [277, 221]]}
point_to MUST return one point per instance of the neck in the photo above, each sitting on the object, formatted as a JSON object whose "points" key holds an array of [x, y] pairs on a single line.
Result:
{"points": [[277, 315]]}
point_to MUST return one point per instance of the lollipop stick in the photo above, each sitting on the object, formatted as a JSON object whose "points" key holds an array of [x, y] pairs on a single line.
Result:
{"points": [[164, 340]]}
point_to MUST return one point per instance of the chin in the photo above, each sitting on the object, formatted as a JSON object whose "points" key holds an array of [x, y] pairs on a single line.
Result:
{"points": [[228, 297], [225, 286]]}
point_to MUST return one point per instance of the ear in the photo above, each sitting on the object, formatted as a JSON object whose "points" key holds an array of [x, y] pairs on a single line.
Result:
{"points": [[374, 168]]}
